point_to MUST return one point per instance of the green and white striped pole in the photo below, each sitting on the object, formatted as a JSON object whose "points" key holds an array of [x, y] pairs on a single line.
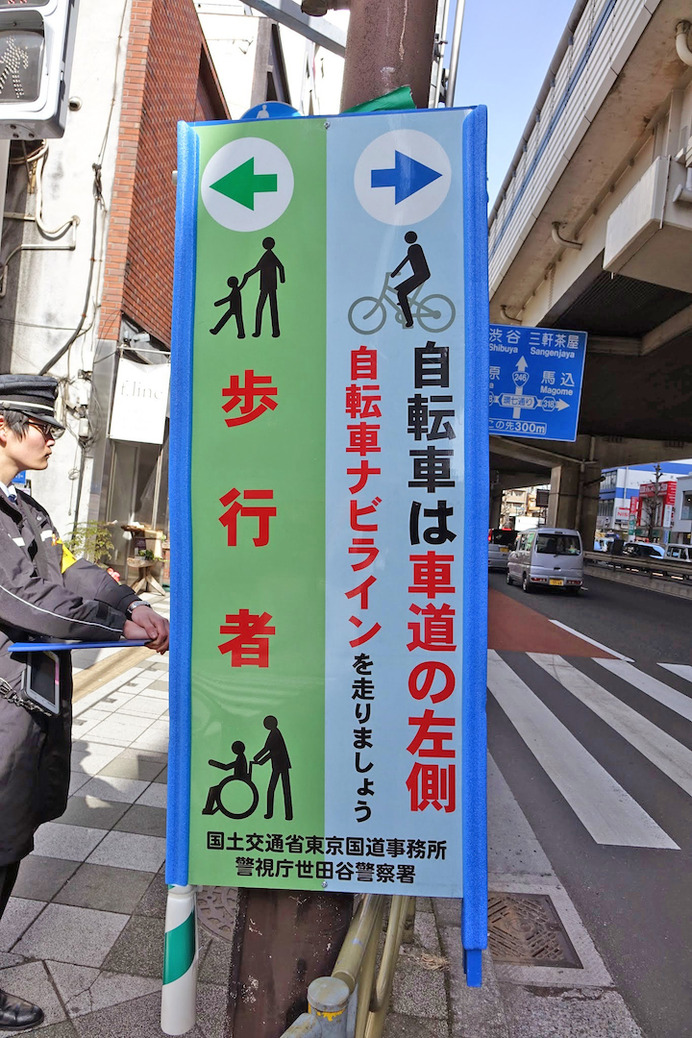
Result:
{"points": [[179, 992]]}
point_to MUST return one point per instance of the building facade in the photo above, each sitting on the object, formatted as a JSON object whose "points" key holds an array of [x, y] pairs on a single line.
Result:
{"points": [[681, 528], [86, 256], [625, 494]]}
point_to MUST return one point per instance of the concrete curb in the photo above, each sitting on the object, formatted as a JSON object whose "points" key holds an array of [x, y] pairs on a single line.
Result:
{"points": [[430, 997]]}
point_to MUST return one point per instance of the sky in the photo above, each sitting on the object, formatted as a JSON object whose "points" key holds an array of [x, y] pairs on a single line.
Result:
{"points": [[506, 48]]}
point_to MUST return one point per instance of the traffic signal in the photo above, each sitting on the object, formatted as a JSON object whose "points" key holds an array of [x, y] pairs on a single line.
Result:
{"points": [[36, 46]]}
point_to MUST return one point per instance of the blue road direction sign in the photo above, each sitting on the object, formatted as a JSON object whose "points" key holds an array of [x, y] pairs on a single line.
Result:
{"points": [[535, 381]]}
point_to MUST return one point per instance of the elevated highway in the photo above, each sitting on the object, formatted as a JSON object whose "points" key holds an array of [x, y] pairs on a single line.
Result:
{"points": [[592, 231]]}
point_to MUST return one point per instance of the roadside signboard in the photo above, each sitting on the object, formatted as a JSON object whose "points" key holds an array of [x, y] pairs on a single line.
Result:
{"points": [[140, 401], [535, 381], [328, 483], [633, 515]]}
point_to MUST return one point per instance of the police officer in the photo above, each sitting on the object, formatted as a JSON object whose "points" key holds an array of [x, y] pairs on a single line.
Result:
{"points": [[44, 594]]}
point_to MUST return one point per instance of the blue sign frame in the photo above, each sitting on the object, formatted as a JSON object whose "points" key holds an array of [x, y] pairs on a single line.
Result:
{"points": [[470, 171], [535, 381]]}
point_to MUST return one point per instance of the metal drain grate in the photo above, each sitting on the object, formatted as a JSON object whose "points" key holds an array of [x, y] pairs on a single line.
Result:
{"points": [[525, 930], [217, 909]]}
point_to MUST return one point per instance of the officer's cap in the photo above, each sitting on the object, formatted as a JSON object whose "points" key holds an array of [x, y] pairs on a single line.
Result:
{"points": [[30, 395]]}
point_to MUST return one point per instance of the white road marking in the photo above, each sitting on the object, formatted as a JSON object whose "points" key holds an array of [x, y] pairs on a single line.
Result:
{"points": [[666, 753], [658, 690], [605, 809], [591, 641], [683, 670]]}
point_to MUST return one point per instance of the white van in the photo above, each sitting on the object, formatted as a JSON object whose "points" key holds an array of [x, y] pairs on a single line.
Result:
{"points": [[682, 552], [547, 557]]}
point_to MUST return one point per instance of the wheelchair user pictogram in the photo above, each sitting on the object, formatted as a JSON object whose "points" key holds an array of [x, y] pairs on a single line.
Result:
{"points": [[236, 796]]}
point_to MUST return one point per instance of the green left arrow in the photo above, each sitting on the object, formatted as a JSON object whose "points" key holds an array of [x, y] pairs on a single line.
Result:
{"points": [[242, 184]]}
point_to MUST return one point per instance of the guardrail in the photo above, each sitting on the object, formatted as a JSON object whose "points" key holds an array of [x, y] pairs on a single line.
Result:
{"points": [[670, 575], [353, 1002]]}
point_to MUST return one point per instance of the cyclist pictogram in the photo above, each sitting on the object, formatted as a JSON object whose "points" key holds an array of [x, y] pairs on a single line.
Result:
{"points": [[434, 313], [367, 315]]}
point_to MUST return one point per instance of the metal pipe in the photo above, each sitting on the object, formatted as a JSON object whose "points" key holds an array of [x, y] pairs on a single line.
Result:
{"points": [[440, 44], [157, 488], [366, 921], [33, 247], [318, 8], [328, 1001], [390, 952], [366, 983], [681, 45], [306, 1026], [454, 53], [559, 240], [80, 482]]}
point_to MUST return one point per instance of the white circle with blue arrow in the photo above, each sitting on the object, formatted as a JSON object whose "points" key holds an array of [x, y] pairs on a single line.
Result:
{"points": [[402, 177], [247, 184]]}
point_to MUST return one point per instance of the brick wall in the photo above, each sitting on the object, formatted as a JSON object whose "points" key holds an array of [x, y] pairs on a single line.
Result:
{"points": [[168, 77]]}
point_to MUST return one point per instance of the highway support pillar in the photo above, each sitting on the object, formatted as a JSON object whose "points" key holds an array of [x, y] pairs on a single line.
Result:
{"points": [[495, 506], [564, 491], [587, 503], [573, 502]]}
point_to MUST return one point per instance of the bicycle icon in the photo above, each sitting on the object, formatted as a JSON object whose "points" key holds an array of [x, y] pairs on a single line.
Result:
{"points": [[234, 796], [434, 313]]}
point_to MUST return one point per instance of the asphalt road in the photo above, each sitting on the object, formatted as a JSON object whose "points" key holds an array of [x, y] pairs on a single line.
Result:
{"points": [[631, 620], [633, 892]]}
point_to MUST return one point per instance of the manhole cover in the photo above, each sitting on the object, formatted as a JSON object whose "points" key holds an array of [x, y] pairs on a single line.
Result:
{"points": [[216, 910], [525, 930]]}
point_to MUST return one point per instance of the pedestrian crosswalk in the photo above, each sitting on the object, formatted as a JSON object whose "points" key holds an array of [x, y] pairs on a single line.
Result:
{"points": [[607, 810]]}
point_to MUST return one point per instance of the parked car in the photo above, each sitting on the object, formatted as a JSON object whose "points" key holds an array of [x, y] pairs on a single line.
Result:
{"points": [[681, 552], [500, 543], [547, 557], [642, 550]]}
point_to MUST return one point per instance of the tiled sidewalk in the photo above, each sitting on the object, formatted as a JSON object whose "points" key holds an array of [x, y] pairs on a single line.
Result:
{"points": [[83, 934]]}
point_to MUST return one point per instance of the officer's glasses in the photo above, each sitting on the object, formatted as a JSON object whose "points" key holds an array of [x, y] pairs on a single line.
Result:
{"points": [[49, 432]]}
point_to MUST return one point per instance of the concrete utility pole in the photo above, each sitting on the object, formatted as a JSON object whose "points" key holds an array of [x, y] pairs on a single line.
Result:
{"points": [[390, 44], [284, 939]]}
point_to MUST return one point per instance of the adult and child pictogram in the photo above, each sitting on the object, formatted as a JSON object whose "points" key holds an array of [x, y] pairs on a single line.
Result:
{"points": [[237, 796], [271, 273]]}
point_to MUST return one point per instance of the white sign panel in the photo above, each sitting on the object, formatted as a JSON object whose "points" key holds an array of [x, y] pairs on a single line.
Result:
{"points": [[140, 402]]}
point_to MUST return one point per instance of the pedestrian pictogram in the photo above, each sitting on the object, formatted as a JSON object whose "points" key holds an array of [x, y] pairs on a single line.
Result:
{"points": [[12, 60], [20, 65], [271, 274]]}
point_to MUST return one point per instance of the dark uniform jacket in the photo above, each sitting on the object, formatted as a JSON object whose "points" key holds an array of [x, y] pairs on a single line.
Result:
{"points": [[38, 601]]}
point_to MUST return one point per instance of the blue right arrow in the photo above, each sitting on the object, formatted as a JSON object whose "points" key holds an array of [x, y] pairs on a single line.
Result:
{"points": [[407, 176]]}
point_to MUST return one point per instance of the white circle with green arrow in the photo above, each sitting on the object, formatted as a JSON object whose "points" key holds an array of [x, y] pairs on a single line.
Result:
{"points": [[247, 184]]}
